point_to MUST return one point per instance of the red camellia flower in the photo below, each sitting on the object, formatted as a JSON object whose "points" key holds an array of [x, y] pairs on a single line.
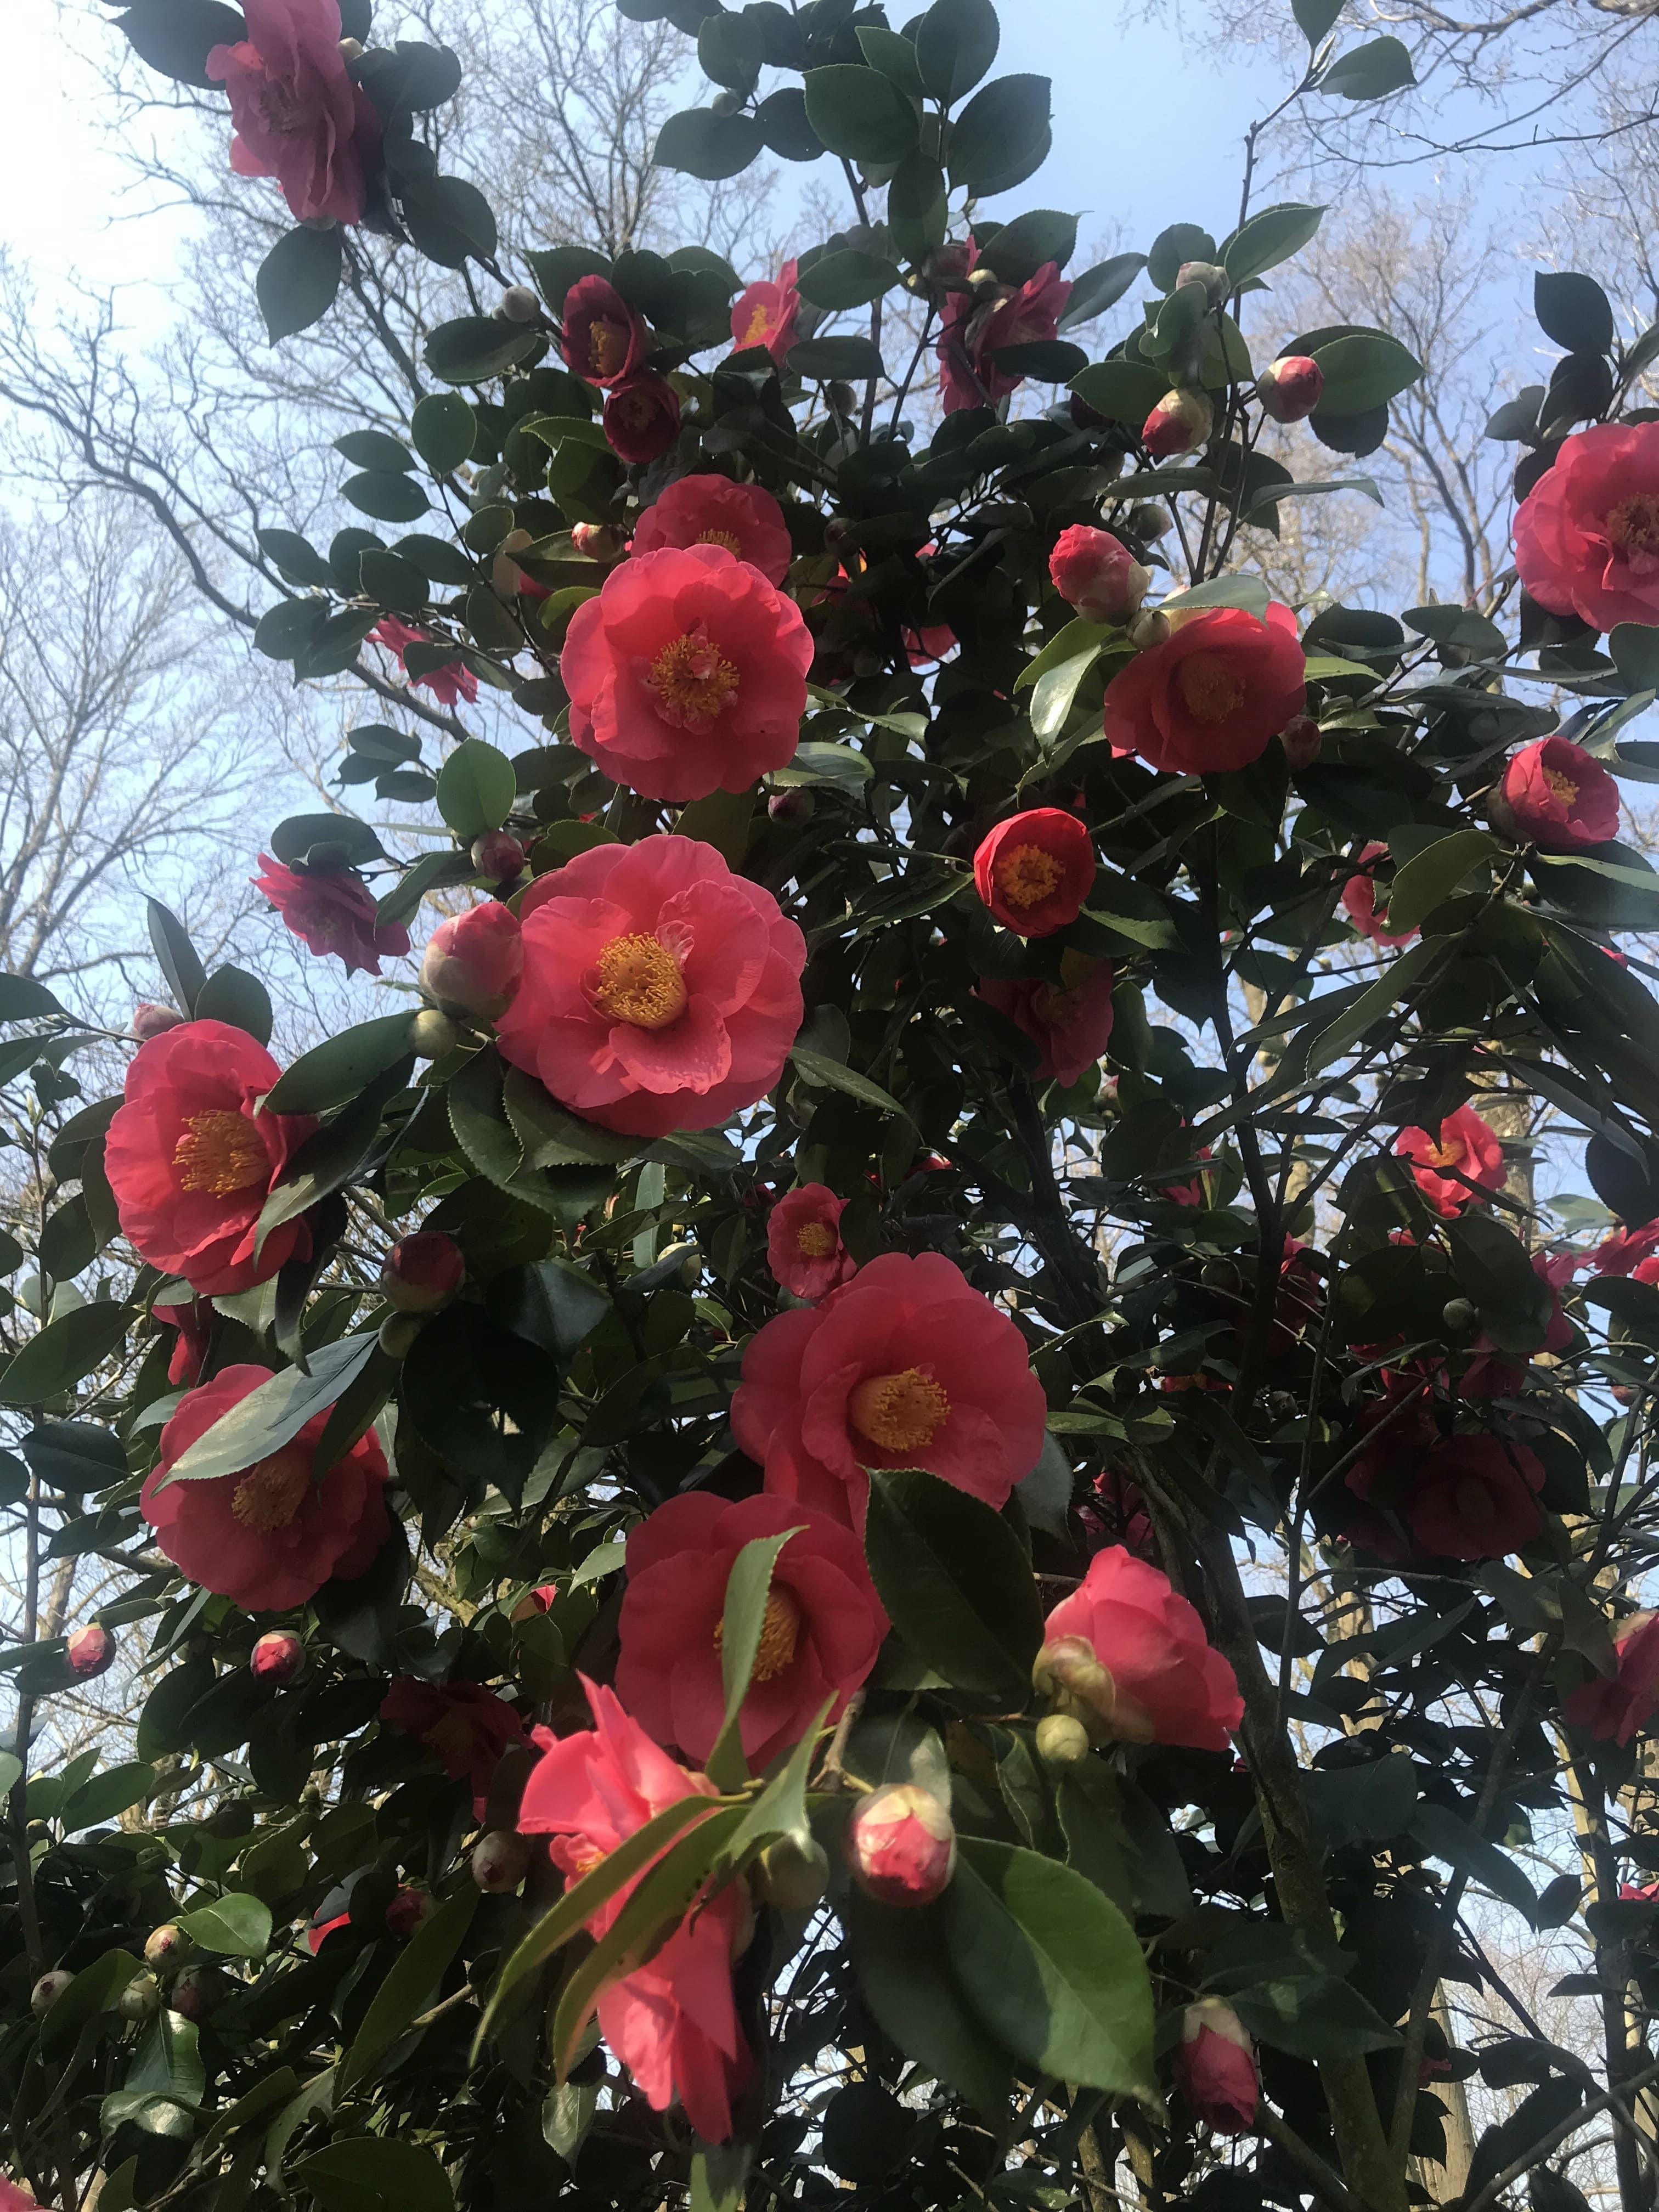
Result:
{"points": [[1587, 534], [1468, 1145], [297, 115], [1096, 574], [1213, 695], [803, 1241], [687, 674], [660, 991], [765, 314], [193, 1320], [1493, 1374], [641, 418], [1620, 1253], [465, 1727], [1166, 1683], [711, 510], [1359, 900], [192, 1163], [673, 2022], [604, 339], [1215, 2066], [905, 1366], [1613, 1709], [269, 1536], [1069, 1026], [823, 1629], [1033, 871], [1556, 795], [451, 682], [1465, 1497], [331, 910], [977, 322]]}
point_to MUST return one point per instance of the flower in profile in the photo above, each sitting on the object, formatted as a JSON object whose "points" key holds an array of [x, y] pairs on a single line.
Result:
{"points": [[765, 314], [1467, 1152], [296, 113], [1130, 1657], [803, 1241], [465, 1727], [192, 1161], [823, 1629], [1463, 1498], [906, 1365], [448, 684], [980, 320], [1215, 2066], [672, 2022], [660, 991], [1556, 796], [1587, 534], [1359, 900], [1070, 1024], [269, 1536], [641, 418], [711, 510], [1033, 871], [604, 340], [1613, 1709], [1213, 695], [193, 1320], [687, 674], [331, 910]]}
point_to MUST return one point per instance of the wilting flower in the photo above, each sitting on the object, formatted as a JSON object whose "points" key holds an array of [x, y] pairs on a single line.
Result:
{"points": [[1587, 534], [1070, 1023], [331, 910], [979, 321], [465, 1727], [1468, 1146], [1464, 1497], [604, 340], [1211, 695], [1623, 1249], [1033, 871], [711, 510], [1132, 1655], [641, 418], [803, 1241], [452, 681], [297, 115], [765, 314], [1556, 795]]}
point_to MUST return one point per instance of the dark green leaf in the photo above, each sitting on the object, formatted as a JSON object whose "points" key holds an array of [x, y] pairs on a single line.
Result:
{"points": [[411, 1986], [274, 1413], [298, 280], [175, 37], [23, 1000], [550, 1304], [64, 1350], [183, 971], [231, 994], [732, 50], [444, 428], [1573, 310], [376, 2173], [450, 220], [338, 1068], [373, 449], [1365, 370], [387, 497], [747, 1588], [475, 348], [1100, 287], [700, 143], [1021, 248], [956, 42], [1002, 136], [297, 558], [1269, 238], [847, 279], [235, 1925], [860, 112], [852, 358], [954, 1582], [918, 206], [477, 787], [1370, 72], [1122, 390]]}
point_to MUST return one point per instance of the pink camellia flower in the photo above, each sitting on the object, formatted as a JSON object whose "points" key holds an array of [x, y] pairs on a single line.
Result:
{"points": [[979, 320], [605, 339], [422, 1272], [901, 1844], [823, 1629], [1613, 1709], [1464, 1497], [1556, 795], [1164, 1682], [331, 910], [1359, 900], [1493, 1374], [451, 682], [1070, 1026], [297, 115], [465, 1727], [803, 1241], [1468, 1146], [90, 1651], [269, 1535], [1620, 1253], [14, 2199], [641, 418], [660, 992], [672, 2022], [150, 1020], [1290, 388], [1215, 2066], [687, 674], [474, 963], [1116, 1514], [711, 510], [276, 1658], [1033, 871], [1587, 534], [1098, 575], [193, 1320], [1212, 695], [765, 314], [906, 1365]]}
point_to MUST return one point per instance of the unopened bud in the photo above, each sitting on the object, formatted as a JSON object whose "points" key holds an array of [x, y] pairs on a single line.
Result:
{"points": [[1211, 275], [947, 264], [167, 1948], [597, 541], [474, 963], [276, 1658], [1215, 2066], [1180, 422], [352, 49], [140, 1998], [791, 806], [902, 1846], [397, 1331], [407, 1912], [793, 1874], [422, 1272], [841, 397], [432, 1034], [197, 1991], [1300, 740], [151, 1020], [728, 102], [1458, 1317], [498, 855], [1148, 522], [1098, 575], [47, 1990], [1061, 1740], [90, 1652], [520, 304], [1289, 387], [500, 1861], [1149, 629]]}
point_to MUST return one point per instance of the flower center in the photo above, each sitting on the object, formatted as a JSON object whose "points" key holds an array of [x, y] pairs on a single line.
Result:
{"points": [[1474, 1504], [758, 327], [1027, 876], [1210, 689], [779, 1631], [221, 1151], [451, 1738], [269, 1495], [607, 347], [638, 980], [725, 537], [816, 1240], [899, 1413], [1448, 1156], [1634, 526], [1561, 786], [692, 682]]}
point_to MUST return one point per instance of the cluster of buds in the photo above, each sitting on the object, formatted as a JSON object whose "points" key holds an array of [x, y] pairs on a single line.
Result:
{"points": [[1080, 1690], [901, 1844]]}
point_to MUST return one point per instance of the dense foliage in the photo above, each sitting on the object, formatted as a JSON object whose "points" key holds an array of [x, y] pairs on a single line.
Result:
{"points": [[931, 1431]]}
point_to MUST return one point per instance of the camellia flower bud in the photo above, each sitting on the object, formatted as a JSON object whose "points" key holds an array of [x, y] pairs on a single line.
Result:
{"points": [[149, 1019], [407, 1911], [47, 1990], [397, 1331], [353, 49], [1300, 740], [1288, 388], [474, 963], [902, 1846], [432, 1034], [841, 397], [422, 1272], [167, 1948], [597, 541], [947, 264], [1148, 628], [1211, 275], [498, 855], [1066, 1671], [1061, 1740], [1215, 2066], [90, 1652], [1098, 575], [792, 1875], [500, 1861], [519, 304], [276, 1658], [140, 1998], [791, 806], [198, 1991], [1180, 420]]}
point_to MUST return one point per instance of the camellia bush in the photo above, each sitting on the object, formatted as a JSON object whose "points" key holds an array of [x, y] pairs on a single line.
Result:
{"points": [[933, 1486]]}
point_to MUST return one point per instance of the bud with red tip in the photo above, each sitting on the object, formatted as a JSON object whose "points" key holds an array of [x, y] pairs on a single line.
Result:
{"points": [[1215, 2066], [151, 1020], [902, 1846], [1288, 388], [1098, 575], [474, 963], [276, 1658], [422, 1272], [408, 1910], [90, 1652], [791, 807], [500, 1861], [498, 855], [1300, 740], [1180, 420], [519, 304], [47, 1990], [167, 1948], [197, 1991]]}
